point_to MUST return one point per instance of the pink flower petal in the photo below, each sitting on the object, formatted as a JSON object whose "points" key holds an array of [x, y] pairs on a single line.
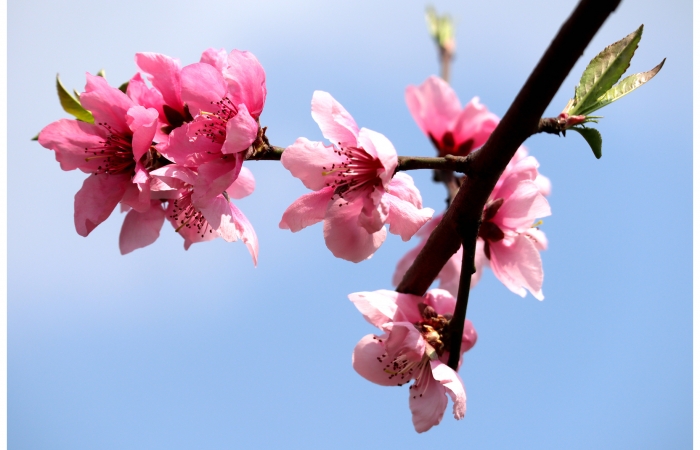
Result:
{"points": [[537, 237], [367, 360], [214, 177], [520, 210], [107, 104], [202, 86], [241, 131], [231, 224], [405, 219], [164, 74], [337, 125], [344, 238], [474, 123], [188, 151], [246, 80], [453, 386], [243, 186], [377, 307], [96, 200], [404, 339], [246, 232], [306, 210], [310, 161], [70, 139], [136, 199], [141, 229], [402, 186], [469, 336], [175, 171], [433, 105], [142, 122], [518, 266], [427, 401], [375, 209], [216, 58], [383, 149], [141, 94]]}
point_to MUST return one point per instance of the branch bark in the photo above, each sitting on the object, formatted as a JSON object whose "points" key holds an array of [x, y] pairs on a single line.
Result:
{"points": [[461, 222]]}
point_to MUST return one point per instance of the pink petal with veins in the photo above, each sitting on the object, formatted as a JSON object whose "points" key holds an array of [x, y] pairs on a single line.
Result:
{"points": [[306, 210], [142, 122], [309, 161], [96, 200], [243, 186], [202, 85], [107, 104], [164, 74], [378, 307], [241, 131], [337, 125], [246, 80], [405, 219], [518, 266], [141, 229], [344, 238]]}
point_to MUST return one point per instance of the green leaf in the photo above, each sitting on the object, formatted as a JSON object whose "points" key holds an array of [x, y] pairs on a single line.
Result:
{"points": [[623, 88], [36, 138], [593, 137], [71, 105], [604, 71], [124, 86]]}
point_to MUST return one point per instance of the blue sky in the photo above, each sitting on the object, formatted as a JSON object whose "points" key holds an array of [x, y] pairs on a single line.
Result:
{"points": [[166, 348]]}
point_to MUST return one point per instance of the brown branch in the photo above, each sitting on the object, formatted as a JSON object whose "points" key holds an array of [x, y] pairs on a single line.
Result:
{"points": [[449, 162], [454, 163], [462, 219]]}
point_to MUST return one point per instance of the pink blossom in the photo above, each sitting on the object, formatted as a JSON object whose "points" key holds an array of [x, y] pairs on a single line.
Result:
{"points": [[115, 150], [511, 244], [207, 218], [226, 99], [413, 348], [354, 192], [521, 262], [452, 129]]}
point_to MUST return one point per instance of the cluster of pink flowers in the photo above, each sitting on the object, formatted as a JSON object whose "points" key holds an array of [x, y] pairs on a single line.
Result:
{"points": [[172, 151], [172, 146], [509, 242]]}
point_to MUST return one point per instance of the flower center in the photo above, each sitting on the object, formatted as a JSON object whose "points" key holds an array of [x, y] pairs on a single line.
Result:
{"points": [[186, 215], [214, 127], [433, 327], [358, 172], [447, 145], [114, 153]]}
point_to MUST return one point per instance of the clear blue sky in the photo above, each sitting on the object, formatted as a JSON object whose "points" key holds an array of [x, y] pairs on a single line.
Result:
{"points": [[173, 349]]}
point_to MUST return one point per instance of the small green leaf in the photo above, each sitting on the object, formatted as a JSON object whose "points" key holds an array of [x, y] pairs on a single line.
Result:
{"points": [[441, 28], [604, 71], [124, 86], [593, 137], [623, 88], [71, 105], [36, 138], [102, 73]]}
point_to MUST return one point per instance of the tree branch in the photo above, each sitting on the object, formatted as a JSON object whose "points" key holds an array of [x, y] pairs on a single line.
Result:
{"points": [[460, 224]]}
